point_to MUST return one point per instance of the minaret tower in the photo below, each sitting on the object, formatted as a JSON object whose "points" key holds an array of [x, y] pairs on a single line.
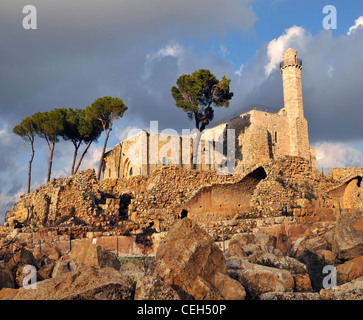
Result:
{"points": [[290, 68]]}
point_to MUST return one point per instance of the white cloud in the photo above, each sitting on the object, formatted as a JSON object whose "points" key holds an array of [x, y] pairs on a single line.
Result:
{"points": [[331, 155], [123, 134], [240, 70], [92, 158], [223, 50], [357, 25], [278, 46], [172, 49]]}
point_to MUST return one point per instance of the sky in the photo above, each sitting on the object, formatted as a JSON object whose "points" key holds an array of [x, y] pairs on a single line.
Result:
{"points": [[136, 49]]}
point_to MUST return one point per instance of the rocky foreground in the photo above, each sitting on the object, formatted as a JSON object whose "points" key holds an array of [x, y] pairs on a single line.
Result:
{"points": [[190, 265]]}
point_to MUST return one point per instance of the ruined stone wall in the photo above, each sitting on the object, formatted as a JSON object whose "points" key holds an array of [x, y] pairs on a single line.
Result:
{"points": [[57, 201], [348, 195]]}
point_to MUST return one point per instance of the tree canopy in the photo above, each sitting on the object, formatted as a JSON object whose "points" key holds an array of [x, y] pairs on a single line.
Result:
{"points": [[197, 94], [27, 130], [105, 110], [79, 130]]}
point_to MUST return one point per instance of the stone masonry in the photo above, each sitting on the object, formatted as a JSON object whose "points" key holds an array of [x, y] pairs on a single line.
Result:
{"points": [[256, 137]]}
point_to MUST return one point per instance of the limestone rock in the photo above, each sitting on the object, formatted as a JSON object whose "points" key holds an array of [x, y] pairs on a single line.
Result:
{"points": [[85, 284], [154, 288], [289, 296], [95, 256], [63, 266], [6, 276], [265, 240], [328, 256], [348, 236], [8, 293], [307, 243], [350, 270], [349, 291], [285, 262], [302, 283], [189, 259], [260, 279], [45, 272]]}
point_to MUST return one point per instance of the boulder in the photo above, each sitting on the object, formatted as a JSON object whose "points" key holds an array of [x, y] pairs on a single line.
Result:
{"points": [[348, 291], [328, 256], [348, 236], [154, 288], [95, 256], [63, 266], [265, 240], [284, 262], [350, 270], [260, 279], [302, 283], [22, 257], [86, 283], [307, 243], [189, 259], [8, 293], [45, 272], [289, 296], [6, 276]]}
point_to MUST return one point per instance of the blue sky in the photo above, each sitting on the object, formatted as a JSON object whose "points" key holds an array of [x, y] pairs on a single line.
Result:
{"points": [[136, 49]]}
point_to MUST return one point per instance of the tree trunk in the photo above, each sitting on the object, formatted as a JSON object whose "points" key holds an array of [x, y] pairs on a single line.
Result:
{"points": [[50, 161], [102, 154], [76, 147], [30, 166], [81, 158]]}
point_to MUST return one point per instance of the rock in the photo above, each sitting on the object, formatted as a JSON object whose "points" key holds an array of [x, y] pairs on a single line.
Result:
{"points": [[8, 293], [265, 240], [234, 250], [311, 244], [249, 249], [6, 276], [45, 272], [348, 236], [285, 262], [95, 256], [63, 266], [85, 284], [134, 270], [243, 238], [260, 279], [350, 270], [302, 283], [230, 289], [289, 296], [154, 288], [22, 257], [349, 291], [328, 256], [189, 259], [283, 243]]}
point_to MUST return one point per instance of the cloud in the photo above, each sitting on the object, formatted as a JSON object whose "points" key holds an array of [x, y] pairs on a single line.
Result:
{"points": [[239, 71], [357, 25], [278, 46], [330, 155]]}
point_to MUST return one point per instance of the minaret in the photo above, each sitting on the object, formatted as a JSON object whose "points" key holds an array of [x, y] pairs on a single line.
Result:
{"points": [[293, 103]]}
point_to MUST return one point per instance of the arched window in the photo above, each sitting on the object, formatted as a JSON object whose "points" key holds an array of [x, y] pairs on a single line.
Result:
{"points": [[130, 172]]}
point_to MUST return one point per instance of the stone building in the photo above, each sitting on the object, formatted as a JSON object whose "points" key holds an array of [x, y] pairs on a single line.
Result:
{"points": [[252, 138]]}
